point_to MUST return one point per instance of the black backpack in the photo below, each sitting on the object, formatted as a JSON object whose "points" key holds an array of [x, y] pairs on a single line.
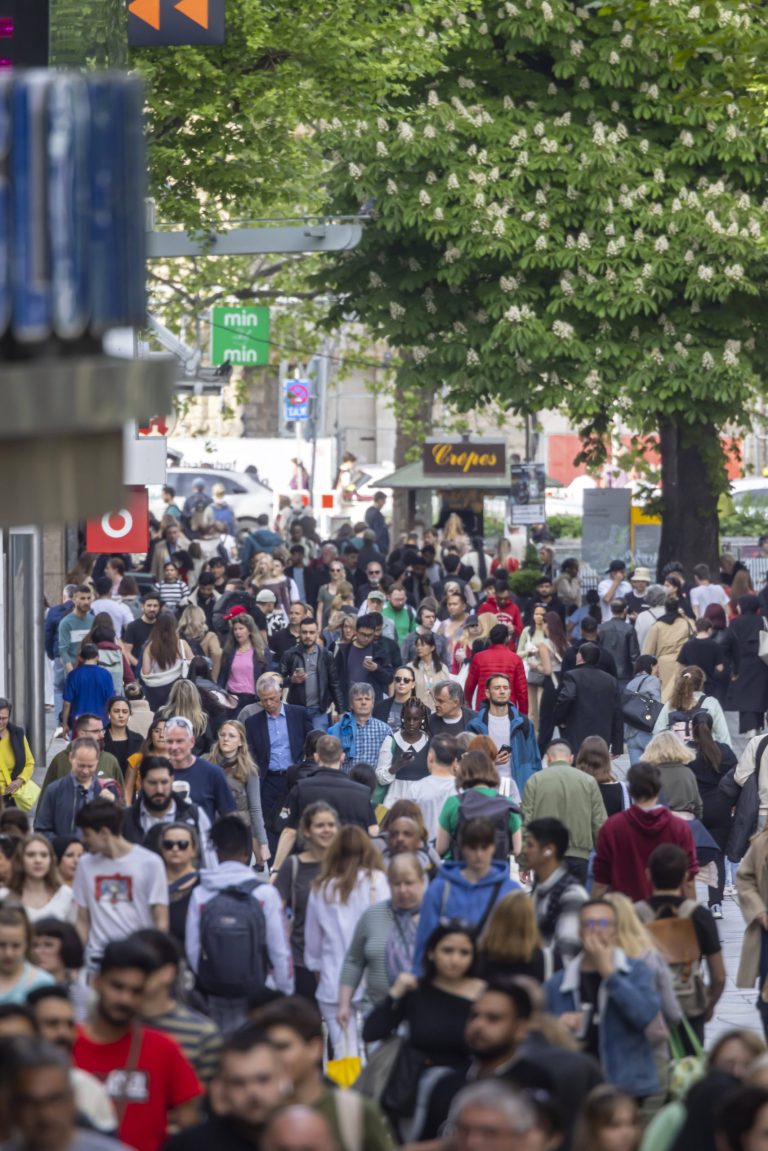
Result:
{"points": [[679, 721], [233, 943], [475, 804]]}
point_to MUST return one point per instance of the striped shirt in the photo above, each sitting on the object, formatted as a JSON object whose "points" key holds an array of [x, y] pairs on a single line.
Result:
{"points": [[172, 594], [197, 1036]]}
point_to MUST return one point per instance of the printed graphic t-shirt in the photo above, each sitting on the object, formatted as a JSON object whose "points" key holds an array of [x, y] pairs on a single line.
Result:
{"points": [[119, 894], [162, 1079]]}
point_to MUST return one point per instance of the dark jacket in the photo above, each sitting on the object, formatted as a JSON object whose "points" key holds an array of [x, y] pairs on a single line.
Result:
{"points": [[230, 599], [56, 809], [379, 679], [749, 691], [186, 812], [589, 703], [314, 578], [618, 637], [327, 678], [53, 618], [16, 736], [378, 525], [257, 730], [605, 662]]}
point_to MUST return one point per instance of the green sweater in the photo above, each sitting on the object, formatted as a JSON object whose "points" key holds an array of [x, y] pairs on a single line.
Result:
{"points": [[367, 952]]}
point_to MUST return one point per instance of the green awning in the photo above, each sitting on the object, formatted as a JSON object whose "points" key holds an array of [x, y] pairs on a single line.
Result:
{"points": [[412, 476]]}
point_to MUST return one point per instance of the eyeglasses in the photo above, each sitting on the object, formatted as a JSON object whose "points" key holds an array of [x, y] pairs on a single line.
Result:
{"points": [[403, 679], [598, 923], [170, 844]]}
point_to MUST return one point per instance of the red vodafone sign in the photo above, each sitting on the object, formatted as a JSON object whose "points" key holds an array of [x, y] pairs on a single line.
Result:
{"points": [[125, 530]]}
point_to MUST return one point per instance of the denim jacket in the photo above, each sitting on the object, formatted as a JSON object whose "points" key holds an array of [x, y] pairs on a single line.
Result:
{"points": [[627, 1003]]}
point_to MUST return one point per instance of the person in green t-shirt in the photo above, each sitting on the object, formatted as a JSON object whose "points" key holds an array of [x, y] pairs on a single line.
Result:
{"points": [[476, 772]]}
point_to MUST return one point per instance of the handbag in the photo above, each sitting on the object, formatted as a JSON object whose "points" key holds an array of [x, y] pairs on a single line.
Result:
{"points": [[640, 709], [762, 645], [536, 678], [373, 1079], [684, 1069], [401, 1092], [27, 795]]}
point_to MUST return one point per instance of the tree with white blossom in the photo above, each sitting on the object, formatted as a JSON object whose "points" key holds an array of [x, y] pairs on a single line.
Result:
{"points": [[571, 214]]}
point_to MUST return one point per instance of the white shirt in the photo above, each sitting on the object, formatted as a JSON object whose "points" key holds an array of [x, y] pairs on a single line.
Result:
{"points": [[623, 590], [430, 794], [59, 906], [498, 729], [120, 614], [702, 597], [329, 927], [119, 895]]}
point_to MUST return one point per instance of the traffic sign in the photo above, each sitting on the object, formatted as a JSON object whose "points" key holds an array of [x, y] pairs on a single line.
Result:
{"points": [[240, 336], [296, 396], [126, 530], [166, 23]]}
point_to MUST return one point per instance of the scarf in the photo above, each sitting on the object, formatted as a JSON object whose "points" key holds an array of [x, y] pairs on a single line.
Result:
{"points": [[401, 941]]}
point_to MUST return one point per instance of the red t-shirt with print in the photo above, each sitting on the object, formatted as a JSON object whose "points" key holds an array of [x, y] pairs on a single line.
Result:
{"points": [[163, 1079]]}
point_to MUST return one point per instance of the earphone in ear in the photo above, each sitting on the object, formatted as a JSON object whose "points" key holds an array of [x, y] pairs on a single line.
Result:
{"points": [[547, 851]]}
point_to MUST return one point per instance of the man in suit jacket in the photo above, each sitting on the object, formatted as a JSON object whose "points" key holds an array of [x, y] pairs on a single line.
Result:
{"points": [[65, 797], [276, 739], [589, 703]]}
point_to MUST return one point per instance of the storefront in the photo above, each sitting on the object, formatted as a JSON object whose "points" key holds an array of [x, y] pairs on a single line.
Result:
{"points": [[464, 475]]}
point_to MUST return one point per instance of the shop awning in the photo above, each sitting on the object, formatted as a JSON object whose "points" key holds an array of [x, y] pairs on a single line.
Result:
{"points": [[412, 476]]}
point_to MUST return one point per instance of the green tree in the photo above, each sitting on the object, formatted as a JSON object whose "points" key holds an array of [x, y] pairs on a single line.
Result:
{"points": [[569, 214], [232, 127]]}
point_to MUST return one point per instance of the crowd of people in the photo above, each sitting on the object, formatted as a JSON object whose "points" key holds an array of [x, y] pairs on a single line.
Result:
{"points": [[340, 851]]}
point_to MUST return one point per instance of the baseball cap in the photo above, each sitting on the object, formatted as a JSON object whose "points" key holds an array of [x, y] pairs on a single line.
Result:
{"points": [[616, 566], [237, 610], [377, 595], [266, 596], [640, 574]]}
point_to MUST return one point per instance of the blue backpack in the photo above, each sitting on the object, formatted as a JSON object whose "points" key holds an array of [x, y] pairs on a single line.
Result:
{"points": [[233, 943]]}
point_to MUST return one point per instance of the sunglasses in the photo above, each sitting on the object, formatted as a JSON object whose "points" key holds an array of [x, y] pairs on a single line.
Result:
{"points": [[403, 679], [170, 844], [603, 923]]}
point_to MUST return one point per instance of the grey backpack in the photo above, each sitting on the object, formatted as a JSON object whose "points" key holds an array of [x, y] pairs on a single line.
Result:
{"points": [[233, 943]]}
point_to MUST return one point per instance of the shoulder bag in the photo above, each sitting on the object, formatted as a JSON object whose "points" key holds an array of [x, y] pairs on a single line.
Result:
{"points": [[640, 709]]}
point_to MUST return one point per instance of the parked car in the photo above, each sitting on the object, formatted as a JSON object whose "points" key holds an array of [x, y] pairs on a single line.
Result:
{"points": [[247, 496]]}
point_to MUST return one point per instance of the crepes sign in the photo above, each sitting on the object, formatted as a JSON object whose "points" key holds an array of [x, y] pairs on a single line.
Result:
{"points": [[457, 458]]}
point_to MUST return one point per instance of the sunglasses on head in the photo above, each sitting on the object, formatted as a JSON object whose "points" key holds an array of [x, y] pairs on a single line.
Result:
{"points": [[182, 844]]}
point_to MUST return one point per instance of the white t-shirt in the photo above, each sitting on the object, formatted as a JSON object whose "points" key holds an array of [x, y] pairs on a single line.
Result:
{"points": [[431, 793], [59, 906], [498, 729], [702, 597], [118, 895], [624, 589]]}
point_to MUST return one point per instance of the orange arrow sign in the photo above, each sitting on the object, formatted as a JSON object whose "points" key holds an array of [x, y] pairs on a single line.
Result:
{"points": [[196, 10], [148, 11]]}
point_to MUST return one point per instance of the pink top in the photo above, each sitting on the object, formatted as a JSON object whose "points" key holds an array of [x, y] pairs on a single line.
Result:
{"points": [[240, 680]]}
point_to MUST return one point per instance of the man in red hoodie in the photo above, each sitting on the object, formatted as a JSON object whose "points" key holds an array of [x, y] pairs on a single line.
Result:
{"points": [[502, 605], [627, 840], [497, 659]]}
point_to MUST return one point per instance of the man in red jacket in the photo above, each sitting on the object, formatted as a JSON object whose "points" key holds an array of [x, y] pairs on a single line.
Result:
{"points": [[626, 841], [501, 604], [497, 660]]}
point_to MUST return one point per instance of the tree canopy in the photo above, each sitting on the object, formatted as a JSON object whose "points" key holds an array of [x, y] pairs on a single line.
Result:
{"points": [[570, 214]]}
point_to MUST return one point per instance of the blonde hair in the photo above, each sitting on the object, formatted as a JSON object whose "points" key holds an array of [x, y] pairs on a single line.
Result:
{"points": [[184, 700], [192, 623], [350, 852], [486, 620], [667, 748], [511, 934], [631, 934], [243, 767]]}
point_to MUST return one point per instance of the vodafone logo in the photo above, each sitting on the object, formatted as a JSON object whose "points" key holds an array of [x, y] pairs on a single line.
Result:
{"points": [[126, 530], [117, 525]]}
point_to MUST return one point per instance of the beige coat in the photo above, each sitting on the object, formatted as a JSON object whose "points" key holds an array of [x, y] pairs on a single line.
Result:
{"points": [[663, 642], [752, 888]]}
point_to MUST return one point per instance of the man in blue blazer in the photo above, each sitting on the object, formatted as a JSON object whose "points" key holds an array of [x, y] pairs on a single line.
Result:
{"points": [[276, 739]]}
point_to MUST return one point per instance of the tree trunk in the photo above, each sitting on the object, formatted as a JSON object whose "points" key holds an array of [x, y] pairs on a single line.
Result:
{"points": [[690, 459], [413, 421]]}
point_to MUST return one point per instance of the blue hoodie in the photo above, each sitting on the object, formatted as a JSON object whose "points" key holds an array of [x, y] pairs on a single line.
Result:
{"points": [[466, 901]]}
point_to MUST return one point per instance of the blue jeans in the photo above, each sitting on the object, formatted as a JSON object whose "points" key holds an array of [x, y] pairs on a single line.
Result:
{"points": [[320, 719], [59, 679]]}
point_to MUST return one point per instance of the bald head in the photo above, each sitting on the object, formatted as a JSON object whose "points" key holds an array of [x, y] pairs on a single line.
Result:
{"points": [[298, 1129]]}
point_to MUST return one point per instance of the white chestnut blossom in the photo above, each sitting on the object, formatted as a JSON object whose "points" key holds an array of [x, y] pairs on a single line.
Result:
{"points": [[546, 11], [439, 214], [459, 328], [355, 171], [583, 242], [516, 315], [472, 358], [424, 198], [430, 132], [452, 254], [577, 47], [432, 98], [705, 273], [453, 182], [396, 311], [375, 280], [562, 330], [391, 187], [733, 272], [613, 59], [381, 148], [686, 139], [541, 243], [508, 283], [707, 361]]}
